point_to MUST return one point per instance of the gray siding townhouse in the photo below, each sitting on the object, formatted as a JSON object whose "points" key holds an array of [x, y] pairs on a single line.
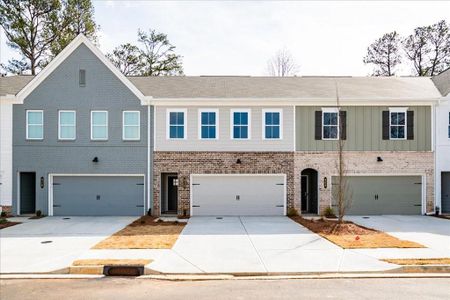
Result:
{"points": [[88, 141]]}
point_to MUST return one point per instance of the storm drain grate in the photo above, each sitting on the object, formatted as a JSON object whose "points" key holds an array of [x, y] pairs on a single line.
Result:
{"points": [[46, 242], [219, 218], [366, 217], [123, 270]]}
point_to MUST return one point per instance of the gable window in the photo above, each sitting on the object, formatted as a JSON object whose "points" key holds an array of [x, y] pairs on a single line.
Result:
{"points": [[397, 124], [240, 124], [99, 125], [272, 124], [66, 125], [330, 124], [176, 124], [35, 124], [82, 78], [208, 124], [131, 125]]}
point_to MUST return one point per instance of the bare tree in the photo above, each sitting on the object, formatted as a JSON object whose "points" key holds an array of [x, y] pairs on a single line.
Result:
{"points": [[127, 58], [282, 64], [384, 54], [417, 48]]}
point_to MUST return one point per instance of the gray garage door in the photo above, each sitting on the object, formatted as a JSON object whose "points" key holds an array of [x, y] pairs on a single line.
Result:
{"points": [[98, 196], [235, 195], [383, 195]]}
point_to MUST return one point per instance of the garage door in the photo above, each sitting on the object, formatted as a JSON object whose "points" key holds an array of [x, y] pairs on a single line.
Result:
{"points": [[383, 195], [98, 195], [234, 195]]}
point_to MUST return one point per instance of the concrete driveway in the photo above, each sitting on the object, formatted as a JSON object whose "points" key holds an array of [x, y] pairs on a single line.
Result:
{"points": [[259, 244], [52, 243]]}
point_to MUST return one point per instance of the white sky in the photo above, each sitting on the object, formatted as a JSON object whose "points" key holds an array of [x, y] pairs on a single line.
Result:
{"points": [[237, 38]]}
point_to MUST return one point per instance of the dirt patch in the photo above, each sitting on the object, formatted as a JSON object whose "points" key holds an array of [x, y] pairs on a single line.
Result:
{"points": [[353, 236], [447, 217], [144, 233], [419, 261], [111, 262], [4, 223]]}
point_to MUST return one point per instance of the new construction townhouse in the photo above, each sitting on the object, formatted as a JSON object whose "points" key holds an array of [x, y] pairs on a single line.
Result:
{"points": [[82, 139]]}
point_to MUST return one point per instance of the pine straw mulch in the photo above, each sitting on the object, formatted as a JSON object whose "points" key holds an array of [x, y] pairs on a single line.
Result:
{"points": [[352, 236], [4, 223], [418, 261], [144, 233], [111, 262]]}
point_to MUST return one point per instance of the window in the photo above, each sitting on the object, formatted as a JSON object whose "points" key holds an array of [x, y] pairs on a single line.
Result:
{"points": [[397, 124], [208, 124], [176, 124], [131, 122], [99, 125], [66, 125], [330, 124], [35, 124], [272, 124], [240, 128], [82, 78]]}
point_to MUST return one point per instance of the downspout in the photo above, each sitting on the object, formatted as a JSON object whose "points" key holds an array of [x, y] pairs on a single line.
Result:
{"points": [[149, 159]]}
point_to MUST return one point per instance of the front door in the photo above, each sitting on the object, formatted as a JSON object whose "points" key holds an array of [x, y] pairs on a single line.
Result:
{"points": [[27, 193], [172, 194], [445, 192]]}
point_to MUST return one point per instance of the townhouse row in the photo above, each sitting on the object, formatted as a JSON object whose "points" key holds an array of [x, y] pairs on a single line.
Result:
{"points": [[82, 139]]}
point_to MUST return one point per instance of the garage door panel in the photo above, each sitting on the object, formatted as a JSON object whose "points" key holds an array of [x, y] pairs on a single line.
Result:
{"points": [[238, 195], [98, 195]]}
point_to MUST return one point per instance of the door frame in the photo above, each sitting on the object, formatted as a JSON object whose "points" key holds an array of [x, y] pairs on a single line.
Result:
{"points": [[423, 177], [439, 201], [235, 175], [52, 175], [307, 192], [18, 190]]}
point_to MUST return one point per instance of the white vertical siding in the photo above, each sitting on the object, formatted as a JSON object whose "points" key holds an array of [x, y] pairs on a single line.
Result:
{"points": [[442, 145], [224, 141], [5, 153]]}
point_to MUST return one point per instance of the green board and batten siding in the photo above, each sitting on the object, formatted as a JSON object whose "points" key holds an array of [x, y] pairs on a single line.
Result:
{"points": [[364, 130]]}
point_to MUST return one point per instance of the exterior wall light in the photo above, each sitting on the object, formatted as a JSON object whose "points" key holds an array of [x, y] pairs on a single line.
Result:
{"points": [[379, 159], [238, 161], [95, 160]]}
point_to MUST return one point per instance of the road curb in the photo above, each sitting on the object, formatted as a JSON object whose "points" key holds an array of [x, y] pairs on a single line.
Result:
{"points": [[49, 276]]}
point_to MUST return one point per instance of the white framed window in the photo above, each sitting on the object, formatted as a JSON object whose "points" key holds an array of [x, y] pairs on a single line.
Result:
{"points": [[272, 124], [99, 125], [35, 124], [240, 124], [131, 125], [330, 123], [67, 123], [176, 124], [208, 124], [397, 123]]}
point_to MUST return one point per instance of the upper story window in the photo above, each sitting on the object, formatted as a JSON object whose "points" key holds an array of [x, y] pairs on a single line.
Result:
{"points": [[330, 124], [397, 123], [176, 125], [99, 125], [35, 124], [131, 125], [272, 124], [240, 124], [208, 124], [66, 125]]}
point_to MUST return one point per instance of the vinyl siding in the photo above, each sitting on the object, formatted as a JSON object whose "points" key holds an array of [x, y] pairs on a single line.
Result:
{"points": [[364, 130], [224, 142]]}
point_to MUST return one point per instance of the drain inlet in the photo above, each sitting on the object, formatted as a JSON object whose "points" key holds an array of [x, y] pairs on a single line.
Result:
{"points": [[123, 270]]}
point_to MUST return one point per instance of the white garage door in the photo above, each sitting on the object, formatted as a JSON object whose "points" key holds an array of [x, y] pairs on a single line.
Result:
{"points": [[234, 195]]}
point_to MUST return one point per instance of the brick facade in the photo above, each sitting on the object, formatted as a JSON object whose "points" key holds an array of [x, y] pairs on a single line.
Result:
{"points": [[6, 208], [187, 163]]}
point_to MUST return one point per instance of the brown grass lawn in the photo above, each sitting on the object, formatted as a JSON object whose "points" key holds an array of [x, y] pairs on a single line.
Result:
{"points": [[4, 223], [419, 261], [352, 236], [144, 233], [111, 262]]}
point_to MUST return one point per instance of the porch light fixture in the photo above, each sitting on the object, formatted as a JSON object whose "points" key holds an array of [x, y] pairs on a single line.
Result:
{"points": [[379, 159], [238, 161], [95, 160]]}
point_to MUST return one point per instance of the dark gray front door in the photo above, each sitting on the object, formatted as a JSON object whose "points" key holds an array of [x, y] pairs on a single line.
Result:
{"points": [[445, 192], [98, 195], [172, 194], [27, 193]]}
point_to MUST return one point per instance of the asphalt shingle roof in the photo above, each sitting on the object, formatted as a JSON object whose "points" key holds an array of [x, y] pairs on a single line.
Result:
{"points": [[442, 82]]}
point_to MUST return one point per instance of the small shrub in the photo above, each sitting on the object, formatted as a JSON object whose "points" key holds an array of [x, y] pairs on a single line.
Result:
{"points": [[3, 221], [329, 213], [38, 213], [4, 214], [292, 212]]}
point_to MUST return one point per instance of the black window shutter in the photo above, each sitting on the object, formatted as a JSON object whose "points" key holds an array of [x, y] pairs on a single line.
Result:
{"points": [[410, 124], [343, 124], [385, 125], [318, 126]]}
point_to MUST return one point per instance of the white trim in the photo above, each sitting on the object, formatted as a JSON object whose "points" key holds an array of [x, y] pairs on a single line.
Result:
{"points": [[170, 110], [74, 124], [206, 110], [124, 125], [332, 110], [154, 127], [50, 184], [149, 157], [61, 57], [263, 127], [42, 124], [403, 110], [243, 175], [398, 109], [107, 126], [249, 125]]}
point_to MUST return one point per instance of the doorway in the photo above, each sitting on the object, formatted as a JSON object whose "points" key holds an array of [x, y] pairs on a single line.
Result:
{"points": [[27, 193], [169, 203], [309, 191], [445, 192]]}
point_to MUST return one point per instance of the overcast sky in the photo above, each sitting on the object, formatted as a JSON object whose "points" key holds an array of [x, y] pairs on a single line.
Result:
{"points": [[237, 38]]}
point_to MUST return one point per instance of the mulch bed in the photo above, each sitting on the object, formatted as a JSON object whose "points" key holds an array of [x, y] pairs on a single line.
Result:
{"points": [[7, 224], [446, 217], [418, 261]]}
